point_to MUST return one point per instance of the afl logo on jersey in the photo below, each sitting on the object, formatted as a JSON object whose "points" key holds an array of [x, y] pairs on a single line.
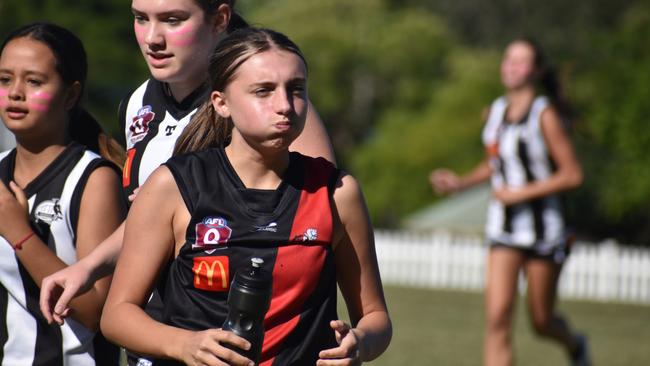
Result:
{"points": [[211, 233], [140, 124], [48, 211]]}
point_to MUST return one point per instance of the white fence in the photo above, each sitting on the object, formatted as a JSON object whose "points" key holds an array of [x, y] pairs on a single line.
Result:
{"points": [[601, 272]]}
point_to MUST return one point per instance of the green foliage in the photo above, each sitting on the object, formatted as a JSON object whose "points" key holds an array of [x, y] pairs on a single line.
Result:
{"points": [[393, 165], [364, 59], [614, 94]]}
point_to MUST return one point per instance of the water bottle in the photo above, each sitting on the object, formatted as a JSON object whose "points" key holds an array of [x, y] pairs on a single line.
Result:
{"points": [[248, 300]]}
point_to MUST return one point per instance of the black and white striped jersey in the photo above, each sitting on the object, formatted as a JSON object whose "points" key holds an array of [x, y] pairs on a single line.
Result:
{"points": [[152, 121], [54, 199], [518, 156]]}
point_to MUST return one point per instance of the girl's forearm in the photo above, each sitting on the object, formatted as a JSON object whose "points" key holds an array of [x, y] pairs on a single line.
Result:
{"points": [[129, 326], [374, 332], [101, 261]]}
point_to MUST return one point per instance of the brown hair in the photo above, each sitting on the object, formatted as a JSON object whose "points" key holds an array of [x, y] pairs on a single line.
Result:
{"points": [[72, 66], [207, 128], [548, 81], [210, 8]]}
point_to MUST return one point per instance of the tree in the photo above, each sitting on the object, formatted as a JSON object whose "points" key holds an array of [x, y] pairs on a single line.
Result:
{"points": [[393, 166], [614, 94], [364, 59]]}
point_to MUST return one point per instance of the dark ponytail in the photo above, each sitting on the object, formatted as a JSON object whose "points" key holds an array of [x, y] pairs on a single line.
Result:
{"points": [[210, 7], [236, 22], [549, 83], [72, 66], [207, 128], [85, 129]]}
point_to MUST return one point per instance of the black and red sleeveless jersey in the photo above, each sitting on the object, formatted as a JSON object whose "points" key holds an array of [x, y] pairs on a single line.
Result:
{"points": [[290, 228]]}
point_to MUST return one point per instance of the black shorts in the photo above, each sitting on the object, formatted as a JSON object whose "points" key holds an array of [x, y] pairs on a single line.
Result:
{"points": [[557, 254]]}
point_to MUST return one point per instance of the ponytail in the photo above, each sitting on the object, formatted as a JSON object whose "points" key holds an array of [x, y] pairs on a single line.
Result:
{"points": [[548, 81], [236, 22], [206, 129], [551, 87], [85, 130]]}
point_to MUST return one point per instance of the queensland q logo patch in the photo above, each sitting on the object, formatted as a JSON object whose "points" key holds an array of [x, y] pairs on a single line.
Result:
{"points": [[212, 232], [140, 124]]}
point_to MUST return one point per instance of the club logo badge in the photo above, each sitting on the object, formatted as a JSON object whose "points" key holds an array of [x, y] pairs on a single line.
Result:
{"points": [[140, 124], [48, 211], [310, 234]]}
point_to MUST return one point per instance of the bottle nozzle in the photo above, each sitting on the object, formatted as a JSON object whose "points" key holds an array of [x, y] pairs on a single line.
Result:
{"points": [[257, 262]]}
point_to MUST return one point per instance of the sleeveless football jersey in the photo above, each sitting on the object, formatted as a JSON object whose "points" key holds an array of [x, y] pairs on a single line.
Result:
{"points": [[290, 228], [152, 121], [518, 156], [54, 199]]}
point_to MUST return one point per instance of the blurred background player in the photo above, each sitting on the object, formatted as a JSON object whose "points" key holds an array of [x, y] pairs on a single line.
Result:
{"points": [[530, 161]]}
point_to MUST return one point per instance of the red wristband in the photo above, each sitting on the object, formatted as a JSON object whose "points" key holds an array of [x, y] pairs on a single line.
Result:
{"points": [[19, 244]]}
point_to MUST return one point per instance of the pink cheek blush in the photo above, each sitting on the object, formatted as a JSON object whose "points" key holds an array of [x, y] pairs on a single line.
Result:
{"points": [[40, 101], [43, 95], [140, 33], [181, 37], [3, 101]]}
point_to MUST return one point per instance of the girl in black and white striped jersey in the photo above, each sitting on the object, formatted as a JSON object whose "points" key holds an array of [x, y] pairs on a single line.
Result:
{"points": [[529, 160], [58, 198]]}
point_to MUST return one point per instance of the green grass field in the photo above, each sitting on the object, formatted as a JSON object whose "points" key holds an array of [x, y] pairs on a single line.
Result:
{"points": [[432, 327]]}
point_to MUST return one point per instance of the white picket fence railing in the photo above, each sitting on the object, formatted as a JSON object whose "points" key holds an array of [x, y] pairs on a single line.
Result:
{"points": [[601, 272]]}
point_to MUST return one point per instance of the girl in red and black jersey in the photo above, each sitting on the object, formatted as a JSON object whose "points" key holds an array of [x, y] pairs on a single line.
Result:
{"points": [[307, 219]]}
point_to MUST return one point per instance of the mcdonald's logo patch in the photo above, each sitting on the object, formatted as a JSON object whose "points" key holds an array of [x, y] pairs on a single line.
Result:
{"points": [[211, 273]]}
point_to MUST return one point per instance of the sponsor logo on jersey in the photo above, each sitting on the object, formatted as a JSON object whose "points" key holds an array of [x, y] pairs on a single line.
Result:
{"points": [[271, 227], [140, 124], [211, 273], [48, 211], [211, 233], [310, 234], [169, 130]]}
